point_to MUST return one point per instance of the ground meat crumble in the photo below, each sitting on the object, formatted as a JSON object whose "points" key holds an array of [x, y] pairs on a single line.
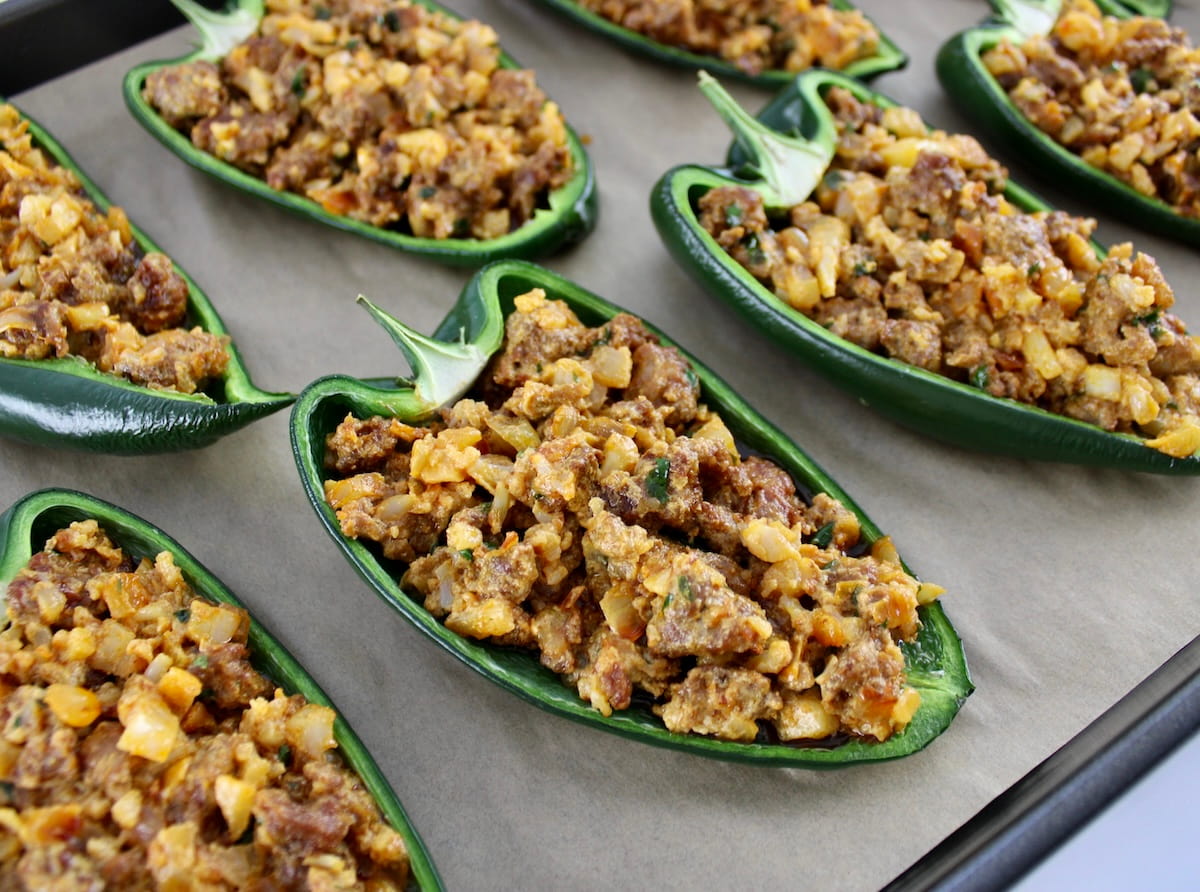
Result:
{"points": [[584, 503], [908, 248], [139, 749], [74, 282], [755, 35], [1123, 94], [379, 110]]}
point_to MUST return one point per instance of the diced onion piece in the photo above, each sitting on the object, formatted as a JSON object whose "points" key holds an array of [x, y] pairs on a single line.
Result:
{"points": [[179, 688], [446, 457], [714, 429], [620, 454], [150, 727], [776, 657], [906, 707], [235, 798], [516, 432], [611, 366], [928, 593], [127, 809], [769, 540], [310, 730], [1102, 382], [462, 536], [620, 614], [828, 629], [1040, 354], [87, 317], [804, 717], [882, 549], [213, 623], [1182, 442], [490, 471], [74, 706], [50, 825], [487, 619]]}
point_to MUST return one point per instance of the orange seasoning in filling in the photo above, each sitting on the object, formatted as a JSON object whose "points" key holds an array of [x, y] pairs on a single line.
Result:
{"points": [[584, 504], [73, 282], [379, 110], [909, 249], [140, 749]]}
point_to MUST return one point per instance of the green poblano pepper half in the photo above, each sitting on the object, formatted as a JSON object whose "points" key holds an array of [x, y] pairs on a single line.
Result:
{"points": [[445, 367], [28, 524]]}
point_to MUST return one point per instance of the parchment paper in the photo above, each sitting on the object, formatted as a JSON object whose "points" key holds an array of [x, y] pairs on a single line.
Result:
{"points": [[1067, 585]]}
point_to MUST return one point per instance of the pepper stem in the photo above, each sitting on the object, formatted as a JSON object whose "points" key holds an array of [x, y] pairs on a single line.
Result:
{"points": [[1030, 17], [222, 31], [442, 371], [790, 168]]}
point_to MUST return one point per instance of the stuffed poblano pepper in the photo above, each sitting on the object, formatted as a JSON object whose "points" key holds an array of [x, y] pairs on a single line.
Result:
{"points": [[591, 519], [212, 755], [765, 43], [1094, 99], [104, 344], [901, 263], [400, 123]]}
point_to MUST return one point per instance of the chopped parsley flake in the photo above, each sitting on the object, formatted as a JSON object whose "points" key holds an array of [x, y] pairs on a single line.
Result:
{"points": [[822, 537], [980, 377], [658, 480], [754, 252]]}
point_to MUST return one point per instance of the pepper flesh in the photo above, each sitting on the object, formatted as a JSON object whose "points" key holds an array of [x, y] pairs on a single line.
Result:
{"points": [[956, 412], [935, 663]]}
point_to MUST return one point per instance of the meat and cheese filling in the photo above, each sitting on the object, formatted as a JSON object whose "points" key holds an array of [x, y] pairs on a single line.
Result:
{"points": [[1123, 94], [584, 503], [73, 282], [379, 110], [139, 749], [755, 35], [908, 248]]}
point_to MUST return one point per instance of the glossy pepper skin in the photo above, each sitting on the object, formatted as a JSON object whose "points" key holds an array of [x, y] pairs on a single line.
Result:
{"points": [[888, 57], [980, 97], [1156, 8], [26, 526], [570, 217], [933, 404], [68, 402], [446, 365]]}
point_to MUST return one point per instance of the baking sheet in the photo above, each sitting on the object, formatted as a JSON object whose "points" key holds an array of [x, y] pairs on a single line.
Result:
{"points": [[1068, 585]]}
